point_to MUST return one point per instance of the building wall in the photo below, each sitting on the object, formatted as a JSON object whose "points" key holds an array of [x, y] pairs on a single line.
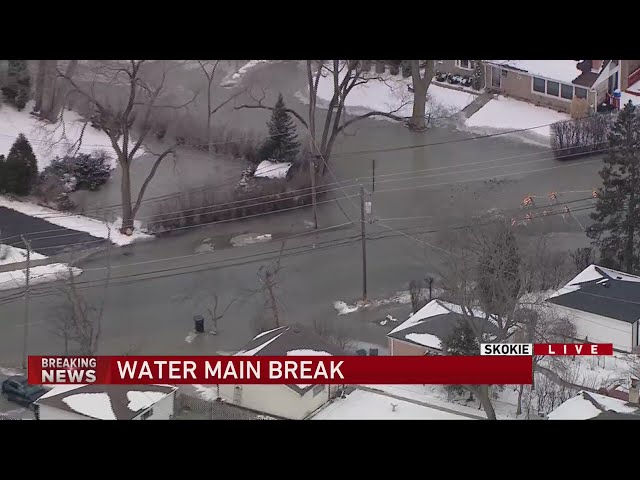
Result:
{"points": [[162, 410], [449, 66], [277, 400], [598, 329], [398, 348], [47, 412], [519, 85], [627, 67]]}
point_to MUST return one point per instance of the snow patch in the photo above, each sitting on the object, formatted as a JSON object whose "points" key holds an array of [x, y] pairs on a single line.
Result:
{"points": [[235, 78], [94, 405], [562, 70], [79, 223], [269, 169], [305, 352], [343, 308], [425, 339], [403, 297], [139, 400], [390, 94], [40, 274], [255, 350], [206, 393], [510, 114], [250, 239], [581, 408], [9, 254], [364, 405], [50, 140]]}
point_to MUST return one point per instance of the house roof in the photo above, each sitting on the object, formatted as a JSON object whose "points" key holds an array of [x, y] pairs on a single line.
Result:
{"points": [[586, 79], [435, 322], [366, 405], [290, 340], [587, 406], [561, 70], [602, 291], [105, 402]]}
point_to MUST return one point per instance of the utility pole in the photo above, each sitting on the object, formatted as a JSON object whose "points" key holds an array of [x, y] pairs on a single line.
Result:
{"points": [[312, 173], [26, 305], [373, 175], [363, 236]]}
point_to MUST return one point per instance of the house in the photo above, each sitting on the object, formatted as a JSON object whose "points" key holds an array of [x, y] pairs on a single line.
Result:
{"points": [[367, 405], [296, 401], [423, 332], [107, 402], [604, 306], [554, 84], [593, 406]]}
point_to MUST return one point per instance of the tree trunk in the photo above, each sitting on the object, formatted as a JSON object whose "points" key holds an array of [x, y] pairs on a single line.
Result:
{"points": [[272, 298], [42, 66], [49, 88], [61, 89], [519, 409], [420, 87], [209, 142], [125, 190], [485, 401], [631, 226]]}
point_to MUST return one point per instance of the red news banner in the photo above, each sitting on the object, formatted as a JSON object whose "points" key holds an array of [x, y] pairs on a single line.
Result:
{"points": [[489, 368]]}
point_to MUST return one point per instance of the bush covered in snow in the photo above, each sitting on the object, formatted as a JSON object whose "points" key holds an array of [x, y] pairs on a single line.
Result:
{"points": [[84, 171], [582, 136]]}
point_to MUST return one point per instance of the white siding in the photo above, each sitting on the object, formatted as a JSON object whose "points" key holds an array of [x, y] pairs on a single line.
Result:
{"points": [[162, 410], [52, 413], [278, 400], [598, 329]]}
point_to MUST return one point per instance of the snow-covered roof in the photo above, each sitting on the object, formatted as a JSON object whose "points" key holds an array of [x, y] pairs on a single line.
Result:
{"points": [[365, 405], [433, 323], [269, 169], [585, 406], [602, 291], [561, 70], [290, 340], [105, 402]]}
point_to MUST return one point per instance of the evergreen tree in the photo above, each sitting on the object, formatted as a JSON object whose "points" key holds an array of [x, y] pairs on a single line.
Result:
{"points": [[282, 144], [462, 341], [478, 75], [18, 86], [499, 267], [616, 231], [21, 167]]}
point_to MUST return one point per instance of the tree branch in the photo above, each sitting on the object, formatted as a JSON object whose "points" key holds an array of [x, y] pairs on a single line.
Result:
{"points": [[150, 176]]}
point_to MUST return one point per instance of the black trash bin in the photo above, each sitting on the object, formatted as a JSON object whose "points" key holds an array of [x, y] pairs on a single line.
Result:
{"points": [[361, 352], [373, 352], [199, 323]]}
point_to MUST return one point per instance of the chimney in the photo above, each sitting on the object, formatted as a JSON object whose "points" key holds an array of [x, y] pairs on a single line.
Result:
{"points": [[596, 65], [634, 391]]}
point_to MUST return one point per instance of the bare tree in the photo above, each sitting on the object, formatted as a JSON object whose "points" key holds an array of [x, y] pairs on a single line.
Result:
{"points": [[582, 258], [145, 92], [420, 85], [332, 331], [215, 311], [346, 75], [268, 284], [209, 68]]}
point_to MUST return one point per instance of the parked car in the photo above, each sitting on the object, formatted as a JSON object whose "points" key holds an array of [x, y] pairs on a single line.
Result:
{"points": [[18, 390]]}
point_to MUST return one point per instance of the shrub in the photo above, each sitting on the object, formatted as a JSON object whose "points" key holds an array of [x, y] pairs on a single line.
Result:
{"points": [[18, 86], [3, 174], [84, 171], [583, 136]]}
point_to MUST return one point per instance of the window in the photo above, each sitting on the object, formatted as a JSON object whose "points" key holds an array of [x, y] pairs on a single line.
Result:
{"points": [[553, 88], [581, 92], [146, 414], [317, 390], [566, 91], [505, 72], [538, 84], [466, 64]]}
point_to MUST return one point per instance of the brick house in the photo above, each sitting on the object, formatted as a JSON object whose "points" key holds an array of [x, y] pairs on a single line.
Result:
{"points": [[424, 332]]}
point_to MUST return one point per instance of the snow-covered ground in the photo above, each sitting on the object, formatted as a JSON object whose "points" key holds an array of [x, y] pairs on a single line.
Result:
{"points": [[365, 405], [40, 274], [9, 254], [399, 298], [50, 140], [390, 93], [79, 223], [235, 77], [509, 114]]}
